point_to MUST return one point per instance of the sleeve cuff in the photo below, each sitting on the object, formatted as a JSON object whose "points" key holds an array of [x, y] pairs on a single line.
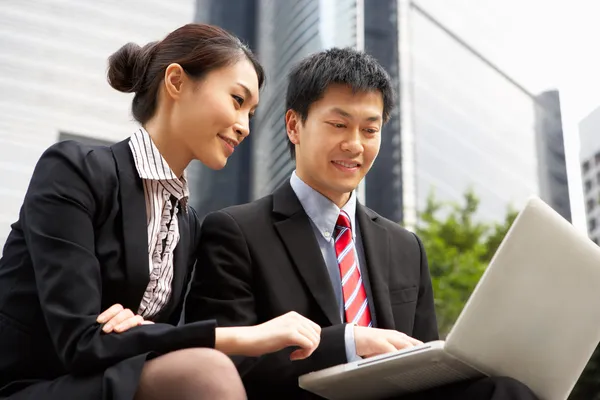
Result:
{"points": [[350, 344]]}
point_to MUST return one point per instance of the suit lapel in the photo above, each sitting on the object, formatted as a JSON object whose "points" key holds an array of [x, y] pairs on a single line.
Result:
{"points": [[376, 246], [135, 234], [298, 236]]}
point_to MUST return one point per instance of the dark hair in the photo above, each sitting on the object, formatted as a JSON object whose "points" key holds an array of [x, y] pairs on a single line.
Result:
{"points": [[309, 79], [198, 48]]}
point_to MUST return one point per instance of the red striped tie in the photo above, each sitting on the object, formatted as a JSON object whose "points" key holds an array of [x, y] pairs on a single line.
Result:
{"points": [[355, 296]]}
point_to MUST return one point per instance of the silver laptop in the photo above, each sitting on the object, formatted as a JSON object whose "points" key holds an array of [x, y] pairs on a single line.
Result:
{"points": [[533, 316]]}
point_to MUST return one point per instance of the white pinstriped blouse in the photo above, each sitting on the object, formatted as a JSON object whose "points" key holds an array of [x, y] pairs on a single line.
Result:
{"points": [[165, 195]]}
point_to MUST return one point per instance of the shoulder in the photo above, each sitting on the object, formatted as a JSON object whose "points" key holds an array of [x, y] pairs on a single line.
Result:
{"points": [[75, 168], [243, 216], [395, 230], [251, 212], [77, 156]]}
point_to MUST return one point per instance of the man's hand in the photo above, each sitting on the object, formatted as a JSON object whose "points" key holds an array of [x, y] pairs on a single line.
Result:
{"points": [[373, 342], [119, 319]]}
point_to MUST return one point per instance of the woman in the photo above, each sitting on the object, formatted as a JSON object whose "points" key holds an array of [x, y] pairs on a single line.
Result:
{"points": [[103, 226]]}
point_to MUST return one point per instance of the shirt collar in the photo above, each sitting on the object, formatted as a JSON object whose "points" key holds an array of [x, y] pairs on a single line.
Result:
{"points": [[151, 165], [322, 212]]}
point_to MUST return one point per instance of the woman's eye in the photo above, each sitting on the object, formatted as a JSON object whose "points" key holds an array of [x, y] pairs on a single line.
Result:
{"points": [[339, 125], [239, 99]]}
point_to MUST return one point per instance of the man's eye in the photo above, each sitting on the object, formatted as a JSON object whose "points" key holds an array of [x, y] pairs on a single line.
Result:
{"points": [[239, 99]]}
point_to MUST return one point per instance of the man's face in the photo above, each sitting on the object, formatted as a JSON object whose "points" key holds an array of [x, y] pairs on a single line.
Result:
{"points": [[338, 142]]}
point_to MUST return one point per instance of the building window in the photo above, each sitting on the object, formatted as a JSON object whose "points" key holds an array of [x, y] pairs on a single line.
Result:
{"points": [[62, 136], [586, 167], [591, 203], [588, 185], [597, 157], [592, 224]]}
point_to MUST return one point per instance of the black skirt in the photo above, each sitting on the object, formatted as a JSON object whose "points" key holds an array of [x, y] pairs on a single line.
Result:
{"points": [[118, 382]]}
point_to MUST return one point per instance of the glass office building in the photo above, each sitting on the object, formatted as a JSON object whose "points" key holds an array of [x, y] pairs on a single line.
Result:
{"points": [[473, 126]]}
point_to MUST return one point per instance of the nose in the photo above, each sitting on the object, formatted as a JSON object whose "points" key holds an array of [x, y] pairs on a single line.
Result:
{"points": [[353, 143], [242, 128]]}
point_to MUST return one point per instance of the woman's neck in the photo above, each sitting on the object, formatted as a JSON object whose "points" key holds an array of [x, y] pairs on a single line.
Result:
{"points": [[173, 152]]}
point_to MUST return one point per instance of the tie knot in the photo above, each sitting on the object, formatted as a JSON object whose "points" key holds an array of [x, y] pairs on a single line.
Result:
{"points": [[343, 221]]}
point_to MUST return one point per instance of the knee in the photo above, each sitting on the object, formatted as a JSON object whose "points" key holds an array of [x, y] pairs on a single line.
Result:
{"points": [[196, 373], [215, 373], [211, 360]]}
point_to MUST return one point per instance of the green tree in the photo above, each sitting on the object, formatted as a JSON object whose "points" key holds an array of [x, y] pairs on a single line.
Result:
{"points": [[459, 248]]}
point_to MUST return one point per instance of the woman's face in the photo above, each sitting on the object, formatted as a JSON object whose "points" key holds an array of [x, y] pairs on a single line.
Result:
{"points": [[211, 117]]}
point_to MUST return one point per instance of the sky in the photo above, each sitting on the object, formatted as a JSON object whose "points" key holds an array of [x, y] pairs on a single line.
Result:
{"points": [[542, 44]]}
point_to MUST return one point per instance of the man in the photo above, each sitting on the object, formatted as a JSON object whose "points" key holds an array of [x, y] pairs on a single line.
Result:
{"points": [[310, 247]]}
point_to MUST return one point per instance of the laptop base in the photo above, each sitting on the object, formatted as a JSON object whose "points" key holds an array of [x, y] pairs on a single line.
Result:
{"points": [[393, 374]]}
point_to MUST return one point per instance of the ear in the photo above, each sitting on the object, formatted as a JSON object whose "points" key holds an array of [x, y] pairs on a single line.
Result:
{"points": [[292, 125], [174, 80]]}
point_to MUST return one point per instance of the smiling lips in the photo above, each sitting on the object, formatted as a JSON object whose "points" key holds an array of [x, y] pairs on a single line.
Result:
{"points": [[348, 166], [230, 143]]}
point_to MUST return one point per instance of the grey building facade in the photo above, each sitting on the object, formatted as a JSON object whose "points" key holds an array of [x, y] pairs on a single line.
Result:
{"points": [[552, 168], [589, 134], [384, 183]]}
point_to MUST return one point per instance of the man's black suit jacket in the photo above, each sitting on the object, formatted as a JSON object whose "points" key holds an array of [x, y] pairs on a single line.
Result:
{"points": [[260, 260]]}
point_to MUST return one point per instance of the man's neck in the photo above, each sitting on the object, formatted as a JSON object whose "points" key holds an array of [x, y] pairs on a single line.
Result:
{"points": [[339, 199]]}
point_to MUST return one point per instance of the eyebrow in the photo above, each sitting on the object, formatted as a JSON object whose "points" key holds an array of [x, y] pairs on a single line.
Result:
{"points": [[345, 114], [247, 91]]}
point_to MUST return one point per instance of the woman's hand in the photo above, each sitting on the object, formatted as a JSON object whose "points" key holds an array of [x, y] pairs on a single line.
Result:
{"points": [[119, 319], [288, 330]]}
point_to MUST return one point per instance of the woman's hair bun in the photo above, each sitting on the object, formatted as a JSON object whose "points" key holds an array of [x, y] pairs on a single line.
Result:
{"points": [[127, 67]]}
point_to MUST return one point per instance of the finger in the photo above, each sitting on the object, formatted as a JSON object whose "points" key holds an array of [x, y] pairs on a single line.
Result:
{"points": [[405, 337], [300, 354], [298, 339], [109, 313], [305, 352], [309, 332], [144, 322], [400, 342], [412, 340], [382, 347], [129, 323], [116, 320]]}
